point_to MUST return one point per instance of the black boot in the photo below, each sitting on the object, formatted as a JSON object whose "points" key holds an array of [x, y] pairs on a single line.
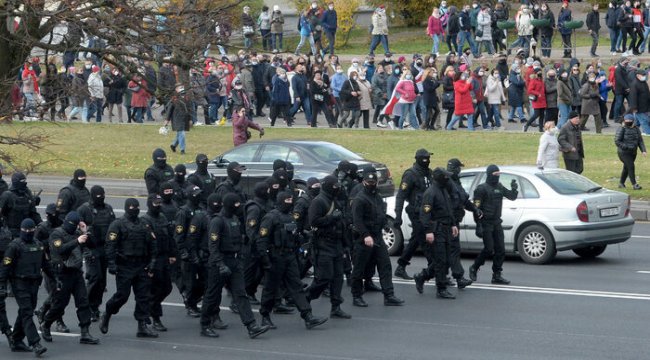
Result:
{"points": [[444, 294], [86, 338], [472, 272], [392, 300], [255, 330], [94, 315], [338, 313], [158, 325], [266, 321], [208, 332], [400, 271], [283, 309], [311, 321], [234, 308], [103, 322], [46, 333], [38, 349], [10, 339], [253, 300], [370, 286], [62, 327], [498, 279], [20, 346], [193, 312], [419, 282], [144, 331], [358, 301], [218, 324], [463, 283]]}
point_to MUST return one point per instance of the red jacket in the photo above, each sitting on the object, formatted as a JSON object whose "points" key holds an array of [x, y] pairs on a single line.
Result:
{"points": [[536, 87], [140, 98], [435, 26], [463, 98], [239, 127], [406, 90]]}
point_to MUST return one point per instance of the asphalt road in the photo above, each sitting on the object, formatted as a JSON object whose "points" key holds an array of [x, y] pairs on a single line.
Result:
{"points": [[569, 309]]}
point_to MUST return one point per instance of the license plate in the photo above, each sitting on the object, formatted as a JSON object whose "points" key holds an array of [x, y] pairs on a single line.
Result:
{"points": [[609, 212]]}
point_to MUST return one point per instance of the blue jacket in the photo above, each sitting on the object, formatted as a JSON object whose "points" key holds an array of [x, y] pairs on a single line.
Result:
{"points": [[516, 90], [305, 26], [370, 71], [280, 92], [564, 16], [603, 89], [329, 21], [212, 87], [336, 83], [299, 86]]}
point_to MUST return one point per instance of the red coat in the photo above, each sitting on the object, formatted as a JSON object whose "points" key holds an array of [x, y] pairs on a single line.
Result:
{"points": [[463, 98], [536, 87], [140, 98], [239, 127]]}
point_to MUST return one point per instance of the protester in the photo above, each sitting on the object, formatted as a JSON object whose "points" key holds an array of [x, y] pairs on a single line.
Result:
{"points": [[548, 152]]}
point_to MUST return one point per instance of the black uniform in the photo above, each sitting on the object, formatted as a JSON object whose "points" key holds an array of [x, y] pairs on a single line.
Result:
{"points": [[255, 210], [180, 185], [131, 252], [202, 178], [488, 197], [460, 202], [169, 208], [188, 253], [158, 173], [98, 216], [197, 240], [72, 196], [22, 264], [18, 204], [349, 179], [5, 239], [301, 215], [3, 184]]}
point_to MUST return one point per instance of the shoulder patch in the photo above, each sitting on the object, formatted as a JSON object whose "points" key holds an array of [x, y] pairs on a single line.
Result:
{"points": [[192, 229], [477, 202], [6, 261], [214, 237], [179, 229], [252, 222], [59, 202], [296, 215], [112, 236], [264, 231], [404, 185], [57, 243], [427, 208]]}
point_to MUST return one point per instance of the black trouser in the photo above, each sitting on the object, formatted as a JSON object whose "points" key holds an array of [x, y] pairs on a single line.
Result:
{"points": [[551, 115], [26, 294], [5, 328], [417, 239], [131, 274], [362, 255], [442, 254], [284, 271], [318, 106], [378, 116], [328, 274], [432, 114], [627, 158], [566, 44], [366, 118], [603, 110], [455, 265], [538, 114], [71, 283], [337, 109], [260, 96], [253, 274], [96, 280], [161, 285], [277, 110], [625, 31], [197, 274], [575, 166], [216, 282], [493, 246], [450, 113], [176, 274]]}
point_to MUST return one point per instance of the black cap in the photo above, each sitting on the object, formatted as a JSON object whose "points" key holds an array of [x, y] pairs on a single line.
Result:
{"points": [[454, 163], [573, 114], [641, 72], [370, 176], [437, 172], [50, 209], [422, 153], [28, 224], [235, 166]]}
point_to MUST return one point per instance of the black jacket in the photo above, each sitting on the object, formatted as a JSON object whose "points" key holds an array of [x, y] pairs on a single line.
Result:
{"points": [[369, 215], [437, 210], [621, 81], [489, 199], [430, 94], [327, 226], [639, 97], [628, 139], [593, 21]]}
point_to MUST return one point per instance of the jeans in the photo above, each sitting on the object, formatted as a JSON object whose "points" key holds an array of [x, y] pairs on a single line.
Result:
{"points": [[96, 106], [331, 39], [408, 109], [30, 103], [613, 38], [455, 118], [138, 113], [152, 101], [646, 32], [618, 104], [479, 108], [266, 39], [495, 114], [276, 41], [212, 111], [546, 45], [594, 42], [248, 42], [565, 109], [619, 38], [436, 43], [376, 39], [520, 113], [179, 140], [488, 45], [306, 106], [524, 42], [643, 120], [466, 36], [302, 42], [84, 111]]}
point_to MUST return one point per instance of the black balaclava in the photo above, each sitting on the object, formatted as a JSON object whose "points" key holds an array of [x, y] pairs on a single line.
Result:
{"points": [[283, 179], [154, 201], [279, 164], [492, 179], [234, 172], [79, 178], [71, 222], [441, 176], [131, 209], [194, 196], [159, 158], [52, 215], [27, 228], [214, 203], [330, 186], [261, 190], [274, 187], [231, 204], [19, 182], [313, 187], [97, 196], [370, 182], [179, 173], [423, 158], [167, 192], [454, 167], [202, 164], [353, 171], [284, 203], [289, 171], [343, 169]]}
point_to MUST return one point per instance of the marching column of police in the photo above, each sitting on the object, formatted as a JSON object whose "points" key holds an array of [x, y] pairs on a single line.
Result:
{"points": [[202, 237]]}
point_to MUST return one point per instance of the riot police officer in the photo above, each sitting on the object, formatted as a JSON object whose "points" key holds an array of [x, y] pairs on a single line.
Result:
{"points": [[131, 252], [225, 267], [73, 195], [202, 178], [158, 172], [180, 185], [5, 239], [255, 210], [369, 219], [327, 226], [231, 183], [437, 218], [488, 197], [161, 283], [348, 177], [170, 209], [98, 216], [18, 204], [192, 279], [22, 264], [67, 246], [277, 244], [301, 215], [415, 182]]}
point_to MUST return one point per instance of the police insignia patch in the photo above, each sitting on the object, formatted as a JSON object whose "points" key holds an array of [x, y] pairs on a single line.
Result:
{"points": [[179, 229], [427, 208], [214, 237], [264, 231], [6, 261], [112, 236], [252, 222], [404, 186], [59, 202], [477, 203], [192, 229], [57, 243], [296, 216]]}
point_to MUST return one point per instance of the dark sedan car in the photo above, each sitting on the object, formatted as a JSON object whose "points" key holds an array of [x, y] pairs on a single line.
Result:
{"points": [[310, 159]]}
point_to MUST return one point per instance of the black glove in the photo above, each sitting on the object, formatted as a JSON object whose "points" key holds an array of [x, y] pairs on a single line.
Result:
{"points": [[266, 262], [184, 254], [337, 214], [37, 200], [479, 230], [398, 221], [224, 271], [150, 266], [3, 291], [479, 213], [513, 185]]}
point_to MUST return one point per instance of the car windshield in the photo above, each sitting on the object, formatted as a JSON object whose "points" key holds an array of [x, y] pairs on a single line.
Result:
{"points": [[568, 183], [332, 153]]}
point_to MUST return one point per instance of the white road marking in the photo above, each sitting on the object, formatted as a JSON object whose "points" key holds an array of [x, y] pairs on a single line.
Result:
{"points": [[64, 334], [643, 272], [641, 236]]}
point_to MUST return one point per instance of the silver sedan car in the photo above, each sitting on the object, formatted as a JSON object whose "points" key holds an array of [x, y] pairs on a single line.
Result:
{"points": [[555, 210]]}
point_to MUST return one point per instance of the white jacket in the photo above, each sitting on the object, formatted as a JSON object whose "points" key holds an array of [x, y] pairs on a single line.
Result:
{"points": [[524, 26], [494, 91], [96, 86], [548, 154]]}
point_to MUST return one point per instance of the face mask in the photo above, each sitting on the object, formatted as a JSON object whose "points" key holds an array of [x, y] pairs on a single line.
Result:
{"points": [[363, 77], [423, 162], [492, 179], [431, 61], [98, 200], [226, 72], [396, 71], [314, 6], [339, 71], [419, 63], [440, 178], [409, 77], [88, 66], [131, 212], [283, 76], [592, 81], [27, 236], [238, 87], [69, 226], [331, 7], [355, 64], [551, 76], [481, 73], [234, 176], [355, 78], [474, 6], [167, 195], [629, 123], [154, 210], [371, 187], [643, 78], [553, 131], [463, 77], [116, 73], [565, 75], [80, 182]]}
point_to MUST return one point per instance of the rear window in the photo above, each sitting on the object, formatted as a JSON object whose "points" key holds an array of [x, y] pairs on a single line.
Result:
{"points": [[332, 153], [568, 183]]}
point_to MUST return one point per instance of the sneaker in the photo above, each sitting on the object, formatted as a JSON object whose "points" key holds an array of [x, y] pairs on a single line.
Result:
{"points": [[637, 187], [222, 122], [621, 186], [613, 53], [381, 124], [198, 123]]}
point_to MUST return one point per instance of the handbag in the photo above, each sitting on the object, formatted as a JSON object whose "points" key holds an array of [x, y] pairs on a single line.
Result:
{"points": [[448, 100], [248, 30], [532, 97]]}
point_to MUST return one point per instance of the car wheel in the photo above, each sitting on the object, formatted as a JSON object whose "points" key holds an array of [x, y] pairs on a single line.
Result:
{"points": [[590, 252], [393, 238], [536, 245]]}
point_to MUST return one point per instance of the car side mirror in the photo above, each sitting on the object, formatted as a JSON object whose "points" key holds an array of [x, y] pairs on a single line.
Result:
{"points": [[219, 162]]}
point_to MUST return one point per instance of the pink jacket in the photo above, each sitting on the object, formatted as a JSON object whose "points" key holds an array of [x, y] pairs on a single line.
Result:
{"points": [[406, 91], [239, 127], [435, 26]]}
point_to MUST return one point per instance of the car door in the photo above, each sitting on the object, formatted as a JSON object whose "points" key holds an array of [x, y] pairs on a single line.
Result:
{"points": [[244, 155], [467, 226]]}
